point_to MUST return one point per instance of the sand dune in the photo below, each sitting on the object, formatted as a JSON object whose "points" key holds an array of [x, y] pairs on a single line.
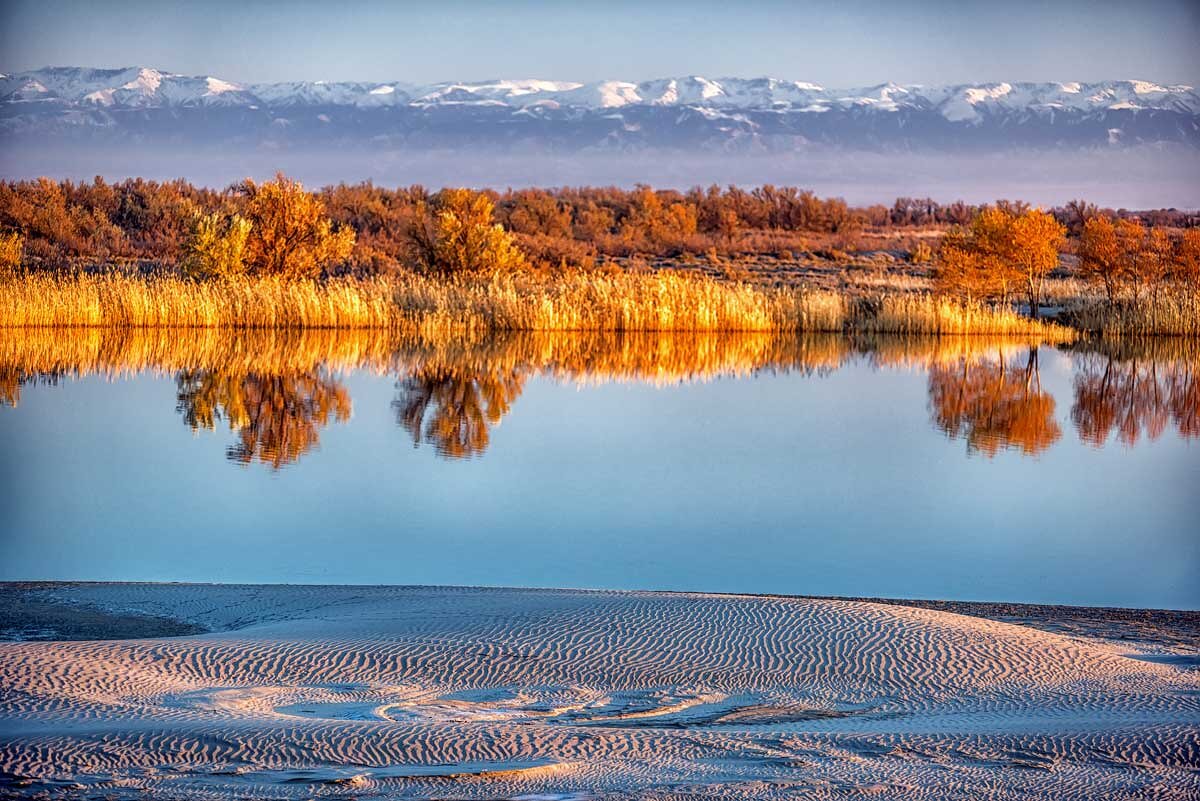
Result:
{"points": [[486, 693]]}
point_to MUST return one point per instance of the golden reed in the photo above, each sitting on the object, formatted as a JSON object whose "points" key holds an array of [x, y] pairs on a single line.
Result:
{"points": [[662, 301]]}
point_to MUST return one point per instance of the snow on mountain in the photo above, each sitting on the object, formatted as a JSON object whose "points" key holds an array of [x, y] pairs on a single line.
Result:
{"points": [[510, 93], [135, 87], [600, 95], [143, 86], [689, 111]]}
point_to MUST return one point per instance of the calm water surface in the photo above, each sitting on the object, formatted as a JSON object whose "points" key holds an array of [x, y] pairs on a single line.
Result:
{"points": [[957, 470]]}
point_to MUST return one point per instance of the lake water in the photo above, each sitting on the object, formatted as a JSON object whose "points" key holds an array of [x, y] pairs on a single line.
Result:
{"points": [[953, 469]]}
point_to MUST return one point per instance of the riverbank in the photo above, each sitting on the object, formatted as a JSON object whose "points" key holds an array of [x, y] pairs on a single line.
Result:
{"points": [[482, 693]]}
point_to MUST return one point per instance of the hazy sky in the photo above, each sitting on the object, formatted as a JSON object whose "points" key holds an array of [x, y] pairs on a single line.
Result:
{"points": [[826, 42]]}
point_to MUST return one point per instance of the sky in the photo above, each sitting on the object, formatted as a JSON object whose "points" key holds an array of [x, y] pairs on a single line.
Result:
{"points": [[834, 44]]}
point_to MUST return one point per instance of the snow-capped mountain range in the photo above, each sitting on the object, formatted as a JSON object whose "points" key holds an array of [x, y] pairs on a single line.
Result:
{"points": [[690, 112]]}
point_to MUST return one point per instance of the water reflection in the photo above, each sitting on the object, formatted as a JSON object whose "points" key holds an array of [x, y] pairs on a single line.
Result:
{"points": [[994, 402], [1136, 389], [276, 417], [276, 391], [453, 410]]}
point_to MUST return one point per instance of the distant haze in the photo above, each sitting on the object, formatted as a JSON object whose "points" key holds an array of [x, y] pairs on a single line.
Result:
{"points": [[1136, 179]]}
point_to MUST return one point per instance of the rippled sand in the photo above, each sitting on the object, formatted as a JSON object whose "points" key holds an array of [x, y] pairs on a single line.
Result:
{"points": [[496, 693]]}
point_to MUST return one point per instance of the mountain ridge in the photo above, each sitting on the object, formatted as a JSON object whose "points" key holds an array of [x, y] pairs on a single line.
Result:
{"points": [[143, 105], [141, 86]]}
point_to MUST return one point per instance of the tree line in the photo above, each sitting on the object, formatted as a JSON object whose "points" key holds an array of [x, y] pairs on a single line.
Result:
{"points": [[364, 227]]}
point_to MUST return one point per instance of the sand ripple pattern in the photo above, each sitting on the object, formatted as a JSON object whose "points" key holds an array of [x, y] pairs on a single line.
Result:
{"points": [[428, 692]]}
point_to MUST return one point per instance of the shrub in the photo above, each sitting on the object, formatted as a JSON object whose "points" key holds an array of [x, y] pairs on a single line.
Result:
{"points": [[458, 236], [290, 235], [12, 246], [216, 247], [555, 252]]}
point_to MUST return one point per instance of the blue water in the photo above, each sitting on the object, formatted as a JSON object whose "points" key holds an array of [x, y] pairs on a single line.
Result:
{"points": [[836, 484]]}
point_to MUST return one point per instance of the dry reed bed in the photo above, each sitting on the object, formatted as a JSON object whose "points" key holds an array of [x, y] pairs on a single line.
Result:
{"points": [[1169, 314], [430, 307]]}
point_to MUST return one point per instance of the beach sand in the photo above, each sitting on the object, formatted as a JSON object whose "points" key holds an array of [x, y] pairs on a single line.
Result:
{"points": [[434, 692]]}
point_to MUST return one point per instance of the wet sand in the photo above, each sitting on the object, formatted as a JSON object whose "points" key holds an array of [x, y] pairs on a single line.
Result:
{"points": [[435, 692]]}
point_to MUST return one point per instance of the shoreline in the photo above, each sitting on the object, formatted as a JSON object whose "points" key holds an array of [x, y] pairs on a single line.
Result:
{"points": [[1182, 624], [299, 691], [304, 691]]}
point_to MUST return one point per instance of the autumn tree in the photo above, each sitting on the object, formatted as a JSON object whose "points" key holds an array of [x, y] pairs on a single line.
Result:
{"points": [[973, 262], [1156, 261], [290, 234], [379, 217], [1186, 260], [537, 212], [1077, 213], [1100, 257], [216, 247], [1033, 243], [593, 222], [1005, 245], [657, 224], [455, 234], [1132, 254], [960, 271]]}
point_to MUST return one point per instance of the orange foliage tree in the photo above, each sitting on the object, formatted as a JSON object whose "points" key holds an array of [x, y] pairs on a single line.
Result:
{"points": [[1100, 258], [290, 234], [1003, 246], [972, 261], [1034, 240]]}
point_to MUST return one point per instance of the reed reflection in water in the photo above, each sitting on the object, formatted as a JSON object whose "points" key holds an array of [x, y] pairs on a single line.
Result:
{"points": [[277, 390]]}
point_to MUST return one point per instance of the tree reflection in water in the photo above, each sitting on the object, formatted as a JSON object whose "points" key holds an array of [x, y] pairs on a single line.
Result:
{"points": [[1134, 390], [454, 409], [994, 404], [277, 417], [276, 391]]}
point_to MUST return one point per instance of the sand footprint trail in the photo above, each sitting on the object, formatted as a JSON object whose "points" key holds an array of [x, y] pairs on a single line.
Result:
{"points": [[429, 692]]}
